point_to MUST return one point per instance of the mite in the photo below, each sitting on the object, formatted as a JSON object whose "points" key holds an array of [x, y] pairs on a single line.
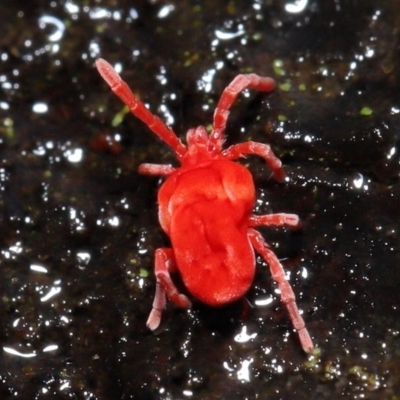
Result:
{"points": [[205, 207]]}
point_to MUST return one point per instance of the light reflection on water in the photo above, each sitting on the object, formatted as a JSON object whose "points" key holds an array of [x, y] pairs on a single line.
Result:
{"points": [[57, 24], [221, 38]]}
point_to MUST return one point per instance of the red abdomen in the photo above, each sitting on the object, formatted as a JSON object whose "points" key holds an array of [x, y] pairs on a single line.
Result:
{"points": [[205, 212]]}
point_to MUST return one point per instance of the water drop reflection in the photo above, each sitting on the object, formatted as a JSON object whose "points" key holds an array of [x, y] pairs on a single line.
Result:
{"points": [[58, 25], [264, 301], [14, 352], [74, 155], [38, 268], [50, 347], [296, 7], [223, 35], [83, 258], [99, 13], [244, 372], [243, 336], [4, 105], [391, 153], [165, 11], [359, 182], [52, 292], [71, 7], [40, 108]]}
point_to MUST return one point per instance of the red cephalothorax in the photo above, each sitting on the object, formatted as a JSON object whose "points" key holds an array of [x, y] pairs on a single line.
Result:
{"points": [[205, 207]]}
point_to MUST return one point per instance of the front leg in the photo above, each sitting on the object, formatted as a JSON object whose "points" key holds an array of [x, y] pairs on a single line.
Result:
{"points": [[259, 149], [164, 264], [155, 169], [122, 90], [279, 219]]}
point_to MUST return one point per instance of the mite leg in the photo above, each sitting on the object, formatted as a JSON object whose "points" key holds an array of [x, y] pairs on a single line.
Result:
{"points": [[122, 90], [258, 149], [164, 264], [291, 220], [155, 169], [229, 95], [287, 295]]}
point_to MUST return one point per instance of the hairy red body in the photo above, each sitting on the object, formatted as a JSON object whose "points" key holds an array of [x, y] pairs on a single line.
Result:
{"points": [[205, 207], [215, 222]]}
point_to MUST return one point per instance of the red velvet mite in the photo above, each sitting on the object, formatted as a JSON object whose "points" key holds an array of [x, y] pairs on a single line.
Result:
{"points": [[205, 207]]}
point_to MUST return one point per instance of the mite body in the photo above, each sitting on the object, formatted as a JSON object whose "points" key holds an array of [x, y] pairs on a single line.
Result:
{"points": [[205, 207]]}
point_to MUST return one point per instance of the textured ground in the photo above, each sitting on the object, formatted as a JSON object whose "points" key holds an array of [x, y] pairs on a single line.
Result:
{"points": [[79, 225]]}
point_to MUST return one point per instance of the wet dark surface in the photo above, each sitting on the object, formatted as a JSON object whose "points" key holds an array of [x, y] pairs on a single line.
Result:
{"points": [[79, 225]]}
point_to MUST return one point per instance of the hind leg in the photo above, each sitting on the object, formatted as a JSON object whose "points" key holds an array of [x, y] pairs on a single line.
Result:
{"points": [[287, 295], [164, 264]]}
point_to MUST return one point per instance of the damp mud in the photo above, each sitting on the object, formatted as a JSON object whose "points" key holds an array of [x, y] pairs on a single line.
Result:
{"points": [[79, 225]]}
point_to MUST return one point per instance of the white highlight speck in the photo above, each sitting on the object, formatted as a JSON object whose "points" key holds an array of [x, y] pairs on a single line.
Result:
{"points": [[40, 108]]}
